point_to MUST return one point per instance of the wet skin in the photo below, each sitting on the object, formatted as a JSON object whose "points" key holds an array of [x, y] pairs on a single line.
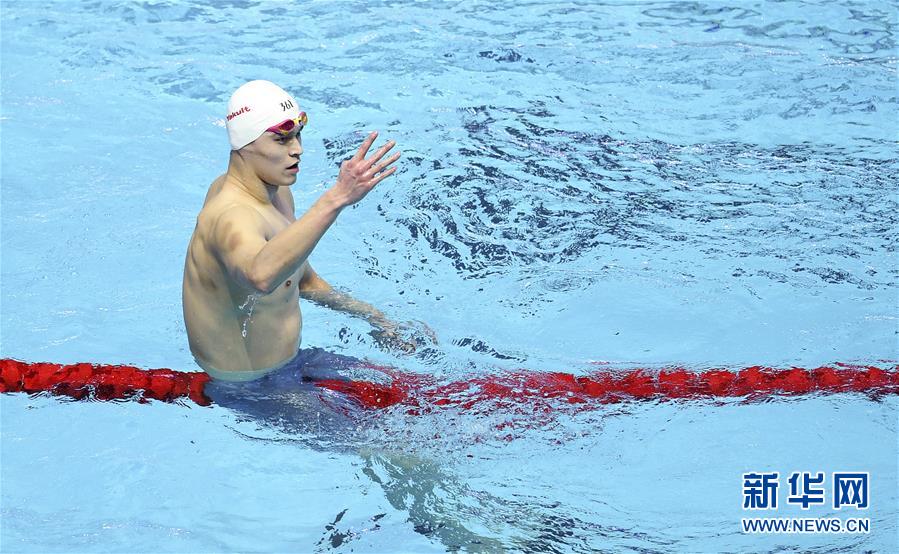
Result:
{"points": [[247, 261]]}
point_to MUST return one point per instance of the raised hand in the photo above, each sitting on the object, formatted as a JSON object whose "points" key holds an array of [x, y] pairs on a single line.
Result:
{"points": [[359, 175]]}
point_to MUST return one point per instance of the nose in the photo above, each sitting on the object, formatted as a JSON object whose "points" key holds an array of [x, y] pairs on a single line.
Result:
{"points": [[296, 147]]}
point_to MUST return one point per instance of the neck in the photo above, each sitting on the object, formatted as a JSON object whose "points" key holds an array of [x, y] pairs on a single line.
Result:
{"points": [[243, 177]]}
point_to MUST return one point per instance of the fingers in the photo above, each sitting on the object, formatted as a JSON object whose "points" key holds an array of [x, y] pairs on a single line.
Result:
{"points": [[392, 342], [382, 176], [398, 343], [379, 154], [381, 166], [371, 170], [366, 144]]}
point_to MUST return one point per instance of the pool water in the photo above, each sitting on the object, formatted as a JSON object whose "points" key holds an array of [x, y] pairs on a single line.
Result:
{"points": [[703, 184]]}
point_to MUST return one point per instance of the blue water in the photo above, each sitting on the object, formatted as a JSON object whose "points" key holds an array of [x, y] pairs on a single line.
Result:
{"points": [[643, 183]]}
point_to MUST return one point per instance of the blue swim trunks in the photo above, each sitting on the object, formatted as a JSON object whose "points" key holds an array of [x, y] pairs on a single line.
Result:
{"points": [[287, 398]]}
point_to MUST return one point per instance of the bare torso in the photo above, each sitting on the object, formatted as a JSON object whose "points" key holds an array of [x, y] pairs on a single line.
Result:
{"points": [[230, 328]]}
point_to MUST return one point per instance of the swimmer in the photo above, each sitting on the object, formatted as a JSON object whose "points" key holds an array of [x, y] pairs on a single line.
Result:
{"points": [[248, 259]]}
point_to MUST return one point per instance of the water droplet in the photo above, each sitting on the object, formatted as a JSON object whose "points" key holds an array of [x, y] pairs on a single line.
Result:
{"points": [[248, 305]]}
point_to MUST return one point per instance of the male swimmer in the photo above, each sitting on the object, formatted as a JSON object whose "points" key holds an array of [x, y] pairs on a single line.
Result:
{"points": [[248, 259]]}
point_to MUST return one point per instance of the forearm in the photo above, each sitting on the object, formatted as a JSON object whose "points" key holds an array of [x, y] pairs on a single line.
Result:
{"points": [[288, 250], [387, 333], [343, 302]]}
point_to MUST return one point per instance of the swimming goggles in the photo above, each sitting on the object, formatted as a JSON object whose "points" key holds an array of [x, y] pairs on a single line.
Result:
{"points": [[286, 127]]}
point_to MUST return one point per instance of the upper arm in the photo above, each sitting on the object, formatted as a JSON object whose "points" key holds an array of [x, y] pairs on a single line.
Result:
{"points": [[237, 237]]}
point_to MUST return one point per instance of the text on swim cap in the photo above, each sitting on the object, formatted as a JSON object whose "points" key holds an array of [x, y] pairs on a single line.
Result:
{"points": [[243, 110], [286, 105]]}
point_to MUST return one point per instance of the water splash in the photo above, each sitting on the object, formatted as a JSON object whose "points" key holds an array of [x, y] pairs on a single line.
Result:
{"points": [[247, 306]]}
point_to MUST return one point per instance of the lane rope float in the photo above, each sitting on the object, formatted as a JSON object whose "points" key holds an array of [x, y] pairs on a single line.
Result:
{"points": [[84, 381], [418, 393]]}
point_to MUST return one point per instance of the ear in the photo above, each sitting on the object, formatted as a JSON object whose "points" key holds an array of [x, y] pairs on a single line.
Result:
{"points": [[248, 149]]}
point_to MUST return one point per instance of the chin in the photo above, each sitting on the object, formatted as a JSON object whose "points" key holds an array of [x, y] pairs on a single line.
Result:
{"points": [[282, 181]]}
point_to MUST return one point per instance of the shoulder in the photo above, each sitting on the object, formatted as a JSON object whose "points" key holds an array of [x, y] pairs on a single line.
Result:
{"points": [[215, 188], [237, 215], [234, 223]]}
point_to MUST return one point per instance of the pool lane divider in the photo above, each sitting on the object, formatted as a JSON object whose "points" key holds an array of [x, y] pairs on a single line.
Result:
{"points": [[86, 381], [423, 393]]}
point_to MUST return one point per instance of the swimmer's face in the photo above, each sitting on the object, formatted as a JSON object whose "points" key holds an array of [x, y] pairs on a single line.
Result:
{"points": [[275, 158]]}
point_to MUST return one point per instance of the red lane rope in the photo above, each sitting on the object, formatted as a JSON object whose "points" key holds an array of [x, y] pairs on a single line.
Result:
{"points": [[103, 382], [121, 382], [519, 387]]}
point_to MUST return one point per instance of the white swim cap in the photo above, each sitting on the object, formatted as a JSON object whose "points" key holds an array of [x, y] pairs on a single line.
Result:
{"points": [[255, 107]]}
